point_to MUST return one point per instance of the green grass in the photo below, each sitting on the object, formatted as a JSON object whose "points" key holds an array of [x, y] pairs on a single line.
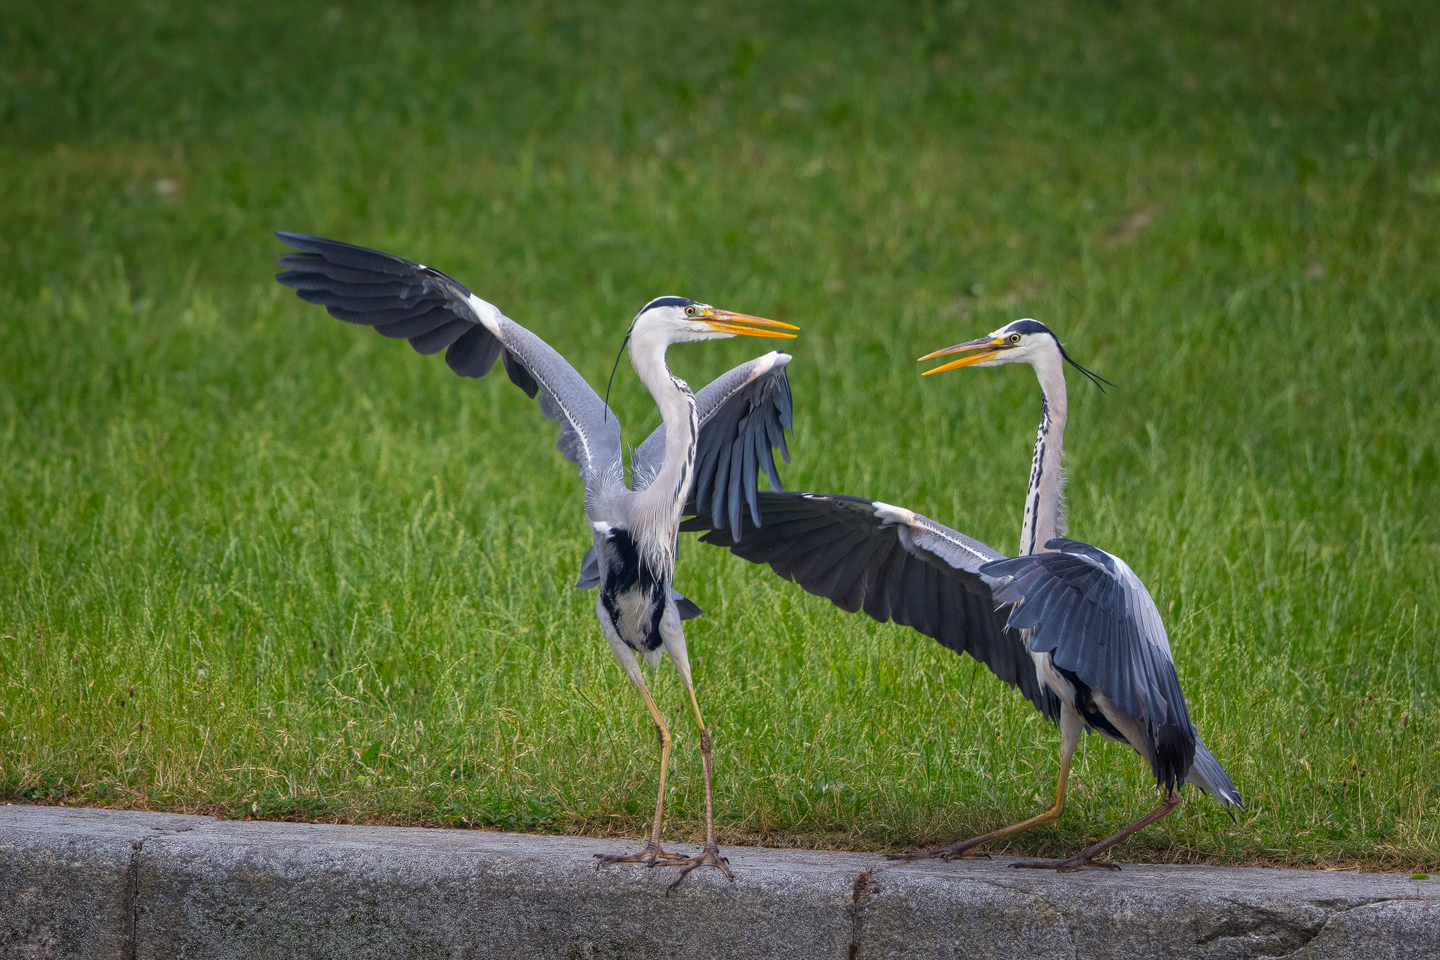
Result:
{"points": [[258, 563]]}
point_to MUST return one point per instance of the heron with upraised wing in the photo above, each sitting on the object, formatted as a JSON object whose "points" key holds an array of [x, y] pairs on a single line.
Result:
{"points": [[705, 457]]}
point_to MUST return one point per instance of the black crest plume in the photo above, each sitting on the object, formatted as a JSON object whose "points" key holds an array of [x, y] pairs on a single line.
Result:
{"points": [[1095, 378], [623, 343]]}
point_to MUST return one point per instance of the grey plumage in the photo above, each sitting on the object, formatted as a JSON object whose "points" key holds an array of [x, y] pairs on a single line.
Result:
{"points": [[405, 300], [895, 565], [743, 416], [1068, 624], [725, 437], [1089, 612]]}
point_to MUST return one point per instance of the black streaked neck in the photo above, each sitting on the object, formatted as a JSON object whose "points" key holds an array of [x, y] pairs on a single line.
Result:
{"points": [[1045, 499]]}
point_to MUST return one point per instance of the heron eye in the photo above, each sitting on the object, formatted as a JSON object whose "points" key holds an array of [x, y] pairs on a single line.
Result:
{"points": [[689, 311], [1014, 338]]}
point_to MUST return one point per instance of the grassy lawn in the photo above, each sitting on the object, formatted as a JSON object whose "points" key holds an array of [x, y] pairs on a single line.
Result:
{"points": [[257, 563]]}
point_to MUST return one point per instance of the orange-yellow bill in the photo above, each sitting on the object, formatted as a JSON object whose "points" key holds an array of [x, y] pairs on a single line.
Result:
{"points": [[742, 324], [989, 347]]}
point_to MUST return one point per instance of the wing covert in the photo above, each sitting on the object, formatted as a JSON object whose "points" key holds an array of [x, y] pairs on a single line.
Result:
{"points": [[406, 300], [743, 416], [892, 563], [1088, 610]]}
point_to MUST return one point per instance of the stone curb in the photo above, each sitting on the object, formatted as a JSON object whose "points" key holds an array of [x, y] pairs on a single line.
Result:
{"points": [[117, 884]]}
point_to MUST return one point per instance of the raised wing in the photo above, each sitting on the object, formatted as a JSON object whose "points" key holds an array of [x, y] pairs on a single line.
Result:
{"points": [[1089, 611], [742, 416], [892, 563], [412, 302]]}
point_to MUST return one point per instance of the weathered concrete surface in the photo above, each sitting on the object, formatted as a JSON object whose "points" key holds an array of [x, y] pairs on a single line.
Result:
{"points": [[67, 878], [87, 883]]}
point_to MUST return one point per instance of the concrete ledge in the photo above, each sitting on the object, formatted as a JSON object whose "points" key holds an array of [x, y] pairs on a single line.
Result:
{"points": [[101, 884]]}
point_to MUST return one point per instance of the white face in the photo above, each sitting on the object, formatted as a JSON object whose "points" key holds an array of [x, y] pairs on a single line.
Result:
{"points": [[1015, 345], [676, 320], [1021, 341]]}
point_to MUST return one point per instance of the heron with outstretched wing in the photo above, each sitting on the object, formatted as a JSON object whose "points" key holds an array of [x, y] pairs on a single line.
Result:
{"points": [[1068, 624], [713, 444]]}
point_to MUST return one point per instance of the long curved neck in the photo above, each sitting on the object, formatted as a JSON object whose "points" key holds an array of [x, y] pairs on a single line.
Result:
{"points": [[656, 518], [1045, 500]]}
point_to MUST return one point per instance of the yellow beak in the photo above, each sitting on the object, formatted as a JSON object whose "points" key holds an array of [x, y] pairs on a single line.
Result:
{"points": [[742, 324], [990, 346]]}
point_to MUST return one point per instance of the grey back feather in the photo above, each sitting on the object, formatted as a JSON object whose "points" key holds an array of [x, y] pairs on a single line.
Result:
{"points": [[1090, 613]]}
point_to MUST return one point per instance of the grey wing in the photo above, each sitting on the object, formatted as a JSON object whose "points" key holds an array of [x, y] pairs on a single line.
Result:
{"points": [[895, 565], [1096, 620], [742, 416], [412, 302]]}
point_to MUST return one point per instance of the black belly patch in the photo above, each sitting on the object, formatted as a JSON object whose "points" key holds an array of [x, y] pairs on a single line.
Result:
{"points": [[1085, 706], [630, 585], [1172, 751]]}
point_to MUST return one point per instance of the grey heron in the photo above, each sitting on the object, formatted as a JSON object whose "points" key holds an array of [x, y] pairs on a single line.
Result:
{"points": [[704, 457], [1068, 624]]}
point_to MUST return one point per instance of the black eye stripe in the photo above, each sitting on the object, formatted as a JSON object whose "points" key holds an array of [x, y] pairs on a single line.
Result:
{"points": [[1029, 326]]}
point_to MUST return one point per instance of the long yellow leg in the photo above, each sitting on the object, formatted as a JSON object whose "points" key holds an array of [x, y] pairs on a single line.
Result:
{"points": [[1070, 730], [1086, 857], [652, 852], [663, 731], [709, 855], [705, 761]]}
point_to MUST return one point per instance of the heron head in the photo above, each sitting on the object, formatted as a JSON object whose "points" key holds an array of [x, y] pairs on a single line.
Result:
{"points": [[667, 320], [1020, 341], [681, 320], [1016, 342]]}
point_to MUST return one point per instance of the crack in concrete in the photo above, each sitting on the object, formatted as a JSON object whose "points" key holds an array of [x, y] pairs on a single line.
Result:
{"points": [[132, 898], [1330, 918], [1293, 933], [132, 887], [863, 891], [1240, 915]]}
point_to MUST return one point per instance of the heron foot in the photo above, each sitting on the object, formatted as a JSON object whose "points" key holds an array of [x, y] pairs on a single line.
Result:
{"points": [[650, 856], [1073, 865], [707, 857], [956, 851]]}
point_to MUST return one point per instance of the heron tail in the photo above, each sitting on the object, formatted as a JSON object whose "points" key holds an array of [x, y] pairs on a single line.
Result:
{"points": [[1207, 774]]}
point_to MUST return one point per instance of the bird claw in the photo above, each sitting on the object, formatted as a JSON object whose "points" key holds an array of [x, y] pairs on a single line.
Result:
{"points": [[707, 857], [1073, 865], [650, 856], [956, 851]]}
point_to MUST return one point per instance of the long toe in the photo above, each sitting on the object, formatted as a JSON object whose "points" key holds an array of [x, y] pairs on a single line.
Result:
{"points": [[708, 857], [956, 851], [650, 856], [1073, 865], [1082, 862]]}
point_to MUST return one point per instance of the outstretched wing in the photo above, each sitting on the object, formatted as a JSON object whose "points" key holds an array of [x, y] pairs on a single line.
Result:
{"points": [[412, 302], [895, 565], [1089, 611], [742, 418]]}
